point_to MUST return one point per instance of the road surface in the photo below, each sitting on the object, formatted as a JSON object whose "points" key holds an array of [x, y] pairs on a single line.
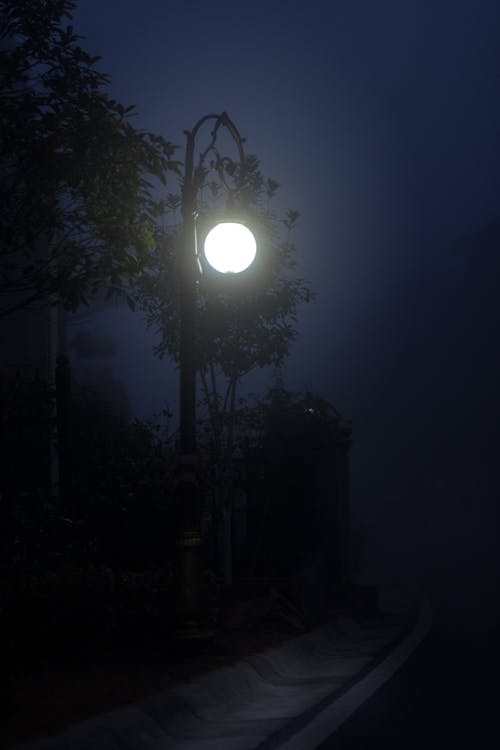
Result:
{"points": [[446, 695]]}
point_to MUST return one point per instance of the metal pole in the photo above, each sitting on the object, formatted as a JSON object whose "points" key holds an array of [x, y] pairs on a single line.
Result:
{"points": [[189, 560], [189, 540]]}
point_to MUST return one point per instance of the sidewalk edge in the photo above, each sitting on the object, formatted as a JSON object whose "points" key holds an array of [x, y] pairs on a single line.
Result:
{"points": [[313, 726]]}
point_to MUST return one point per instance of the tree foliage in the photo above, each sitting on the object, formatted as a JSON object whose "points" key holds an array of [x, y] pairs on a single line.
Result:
{"points": [[293, 475], [117, 505], [77, 186], [244, 321]]}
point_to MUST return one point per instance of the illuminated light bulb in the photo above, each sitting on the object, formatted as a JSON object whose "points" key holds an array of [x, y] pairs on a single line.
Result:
{"points": [[230, 247]]}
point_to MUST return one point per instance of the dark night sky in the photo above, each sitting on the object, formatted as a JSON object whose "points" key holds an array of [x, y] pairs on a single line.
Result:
{"points": [[381, 121]]}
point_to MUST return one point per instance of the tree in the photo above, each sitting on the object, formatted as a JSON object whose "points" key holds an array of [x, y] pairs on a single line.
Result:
{"points": [[77, 190], [118, 507], [242, 322], [297, 482]]}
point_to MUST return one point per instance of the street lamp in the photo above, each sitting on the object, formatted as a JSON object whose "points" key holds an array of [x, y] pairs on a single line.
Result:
{"points": [[229, 248]]}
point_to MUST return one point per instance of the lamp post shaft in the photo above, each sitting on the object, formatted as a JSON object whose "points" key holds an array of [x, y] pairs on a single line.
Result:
{"points": [[189, 559], [189, 574], [187, 344]]}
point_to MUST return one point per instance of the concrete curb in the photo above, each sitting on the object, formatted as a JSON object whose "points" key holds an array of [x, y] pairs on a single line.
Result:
{"points": [[311, 730]]}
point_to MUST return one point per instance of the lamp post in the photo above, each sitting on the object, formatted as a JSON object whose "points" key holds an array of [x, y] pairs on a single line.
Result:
{"points": [[220, 253]]}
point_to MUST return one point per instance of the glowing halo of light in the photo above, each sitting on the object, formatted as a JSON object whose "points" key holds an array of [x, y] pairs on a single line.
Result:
{"points": [[230, 247]]}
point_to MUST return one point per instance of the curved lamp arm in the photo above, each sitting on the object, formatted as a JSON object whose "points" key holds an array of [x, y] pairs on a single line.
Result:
{"points": [[189, 186]]}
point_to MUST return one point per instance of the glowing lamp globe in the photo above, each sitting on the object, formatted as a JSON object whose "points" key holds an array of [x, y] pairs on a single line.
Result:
{"points": [[230, 247]]}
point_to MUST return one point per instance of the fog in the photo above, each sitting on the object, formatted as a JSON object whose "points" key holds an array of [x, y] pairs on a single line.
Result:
{"points": [[381, 125]]}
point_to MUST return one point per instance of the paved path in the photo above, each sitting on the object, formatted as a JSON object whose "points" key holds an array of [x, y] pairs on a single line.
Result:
{"points": [[263, 701], [338, 708]]}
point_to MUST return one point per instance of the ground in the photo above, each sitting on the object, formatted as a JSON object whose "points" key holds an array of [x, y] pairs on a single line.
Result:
{"points": [[57, 693]]}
